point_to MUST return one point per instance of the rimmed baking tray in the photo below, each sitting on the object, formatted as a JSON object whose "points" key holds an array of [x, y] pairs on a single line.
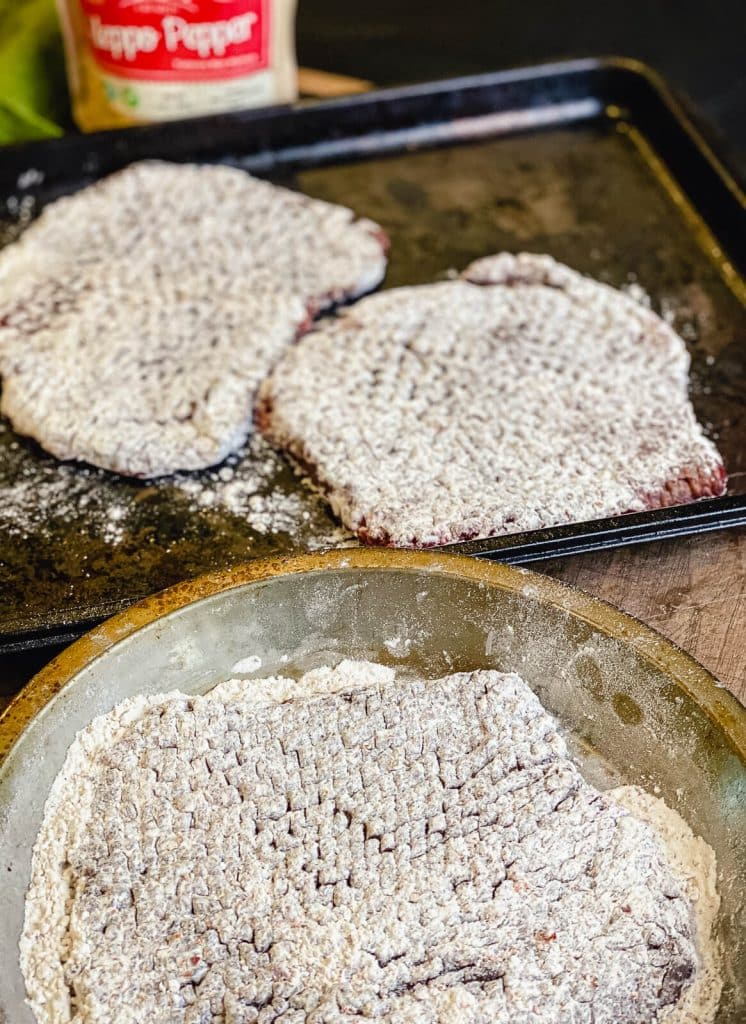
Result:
{"points": [[634, 708], [591, 161]]}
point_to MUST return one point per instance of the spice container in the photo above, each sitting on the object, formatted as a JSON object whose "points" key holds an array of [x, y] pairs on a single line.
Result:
{"points": [[138, 61]]}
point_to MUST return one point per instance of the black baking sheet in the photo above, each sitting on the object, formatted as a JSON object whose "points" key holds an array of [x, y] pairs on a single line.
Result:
{"points": [[590, 161]]}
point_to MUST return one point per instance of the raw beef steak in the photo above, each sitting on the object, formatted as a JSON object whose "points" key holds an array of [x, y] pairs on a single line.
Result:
{"points": [[138, 316], [352, 845], [521, 396]]}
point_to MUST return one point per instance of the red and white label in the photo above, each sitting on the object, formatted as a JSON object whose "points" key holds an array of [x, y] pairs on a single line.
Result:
{"points": [[178, 40]]}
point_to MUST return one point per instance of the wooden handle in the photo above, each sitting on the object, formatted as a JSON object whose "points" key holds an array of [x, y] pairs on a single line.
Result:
{"points": [[326, 84]]}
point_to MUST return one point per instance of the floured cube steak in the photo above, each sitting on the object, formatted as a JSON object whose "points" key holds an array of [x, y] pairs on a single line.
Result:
{"points": [[521, 396], [138, 316], [348, 846]]}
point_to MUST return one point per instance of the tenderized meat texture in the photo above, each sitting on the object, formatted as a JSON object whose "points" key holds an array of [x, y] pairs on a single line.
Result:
{"points": [[521, 396], [138, 316], [403, 850]]}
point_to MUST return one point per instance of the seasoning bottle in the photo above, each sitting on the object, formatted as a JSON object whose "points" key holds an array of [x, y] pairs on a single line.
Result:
{"points": [[138, 61]]}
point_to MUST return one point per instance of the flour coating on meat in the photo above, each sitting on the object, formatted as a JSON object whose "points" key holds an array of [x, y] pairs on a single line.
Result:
{"points": [[350, 845], [138, 317], [521, 396]]}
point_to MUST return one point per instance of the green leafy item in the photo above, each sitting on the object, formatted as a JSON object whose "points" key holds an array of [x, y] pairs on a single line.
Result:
{"points": [[34, 101]]}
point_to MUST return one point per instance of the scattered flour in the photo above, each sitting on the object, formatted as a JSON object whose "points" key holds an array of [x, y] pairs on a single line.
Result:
{"points": [[638, 293], [244, 487], [673, 311], [239, 487], [692, 861], [250, 664], [29, 178], [41, 493], [20, 210], [398, 646]]}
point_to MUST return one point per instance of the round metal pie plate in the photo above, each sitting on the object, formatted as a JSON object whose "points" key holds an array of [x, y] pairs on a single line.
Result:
{"points": [[635, 708]]}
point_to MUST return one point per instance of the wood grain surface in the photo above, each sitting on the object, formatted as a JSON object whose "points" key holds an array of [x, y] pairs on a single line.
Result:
{"points": [[693, 591]]}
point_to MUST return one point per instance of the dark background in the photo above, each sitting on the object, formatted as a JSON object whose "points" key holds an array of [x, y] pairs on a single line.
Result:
{"points": [[700, 47]]}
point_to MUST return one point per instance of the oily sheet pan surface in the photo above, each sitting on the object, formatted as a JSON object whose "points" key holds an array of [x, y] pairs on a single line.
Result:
{"points": [[451, 176]]}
